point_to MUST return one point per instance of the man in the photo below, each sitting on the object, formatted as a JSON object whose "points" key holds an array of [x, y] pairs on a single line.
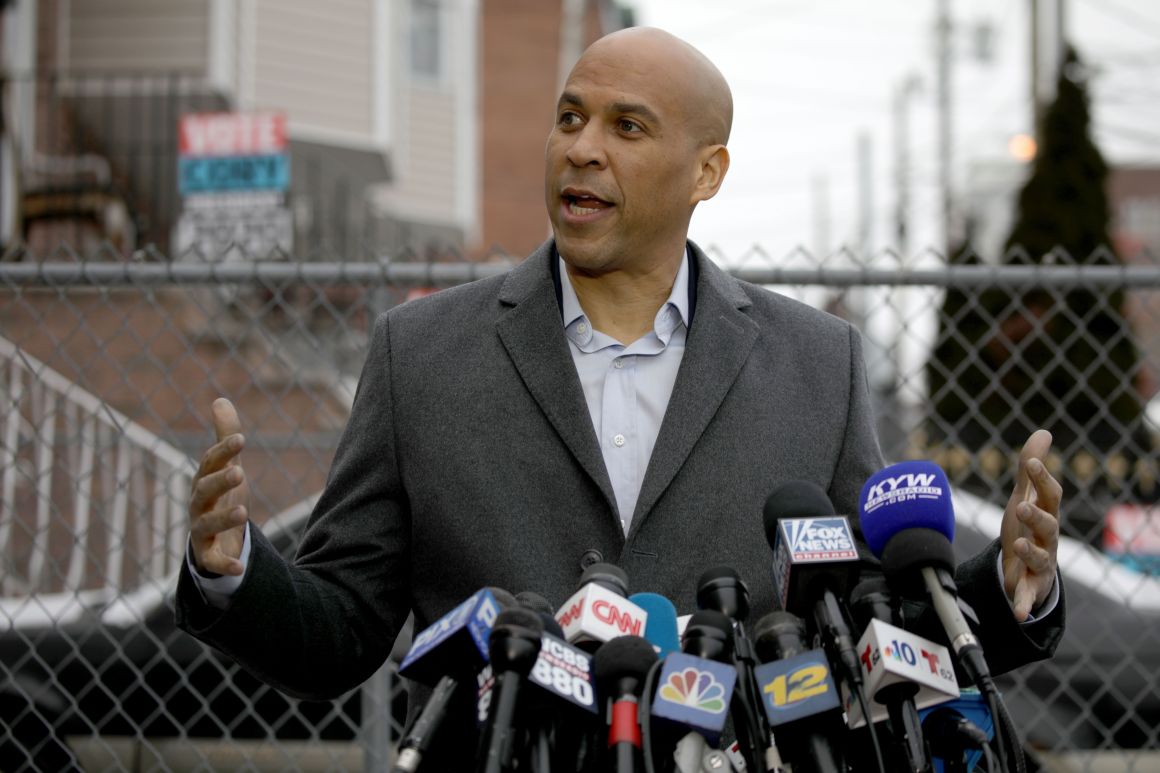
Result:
{"points": [[615, 397]]}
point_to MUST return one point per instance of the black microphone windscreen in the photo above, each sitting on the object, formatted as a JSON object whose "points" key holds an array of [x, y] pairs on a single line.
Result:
{"points": [[534, 601], [913, 549], [779, 635], [721, 588], [502, 597], [711, 618], [869, 586], [794, 499], [551, 625], [609, 576], [518, 616], [624, 656], [872, 599]]}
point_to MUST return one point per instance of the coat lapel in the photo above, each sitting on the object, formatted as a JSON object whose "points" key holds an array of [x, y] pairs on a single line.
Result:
{"points": [[717, 346], [533, 334]]}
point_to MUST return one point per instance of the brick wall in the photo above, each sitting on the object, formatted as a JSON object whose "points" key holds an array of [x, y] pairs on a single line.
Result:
{"points": [[518, 92]]}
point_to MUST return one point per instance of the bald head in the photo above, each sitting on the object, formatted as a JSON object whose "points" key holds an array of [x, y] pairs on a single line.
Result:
{"points": [[638, 143], [707, 101]]}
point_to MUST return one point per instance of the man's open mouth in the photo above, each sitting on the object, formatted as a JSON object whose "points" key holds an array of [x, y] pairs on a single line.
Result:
{"points": [[581, 204]]}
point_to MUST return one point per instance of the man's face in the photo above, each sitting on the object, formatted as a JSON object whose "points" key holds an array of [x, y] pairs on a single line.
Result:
{"points": [[621, 164]]}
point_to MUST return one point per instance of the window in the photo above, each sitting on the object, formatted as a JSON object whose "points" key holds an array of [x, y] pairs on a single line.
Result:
{"points": [[426, 42]]}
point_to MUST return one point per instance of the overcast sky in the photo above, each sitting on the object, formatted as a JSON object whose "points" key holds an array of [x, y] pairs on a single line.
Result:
{"points": [[808, 76]]}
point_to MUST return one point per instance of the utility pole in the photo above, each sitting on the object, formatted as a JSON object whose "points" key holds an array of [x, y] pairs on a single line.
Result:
{"points": [[909, 86], [1050, 48], [1036, 92], [821, 196], [865, 199], [943, 33]]}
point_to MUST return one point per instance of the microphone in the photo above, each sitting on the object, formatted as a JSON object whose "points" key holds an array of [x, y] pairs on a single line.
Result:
{"points": [[574, 685], [660, 626], [800, 698], [534, 601], [513, 647], [447, 652], [908, 521], [419, 738], [958, 731], [693, 696], [455, 642], [562, 673], [599, 612], [721, 588], [815, 560], [903, 671], [621, 666], [561, 692]]}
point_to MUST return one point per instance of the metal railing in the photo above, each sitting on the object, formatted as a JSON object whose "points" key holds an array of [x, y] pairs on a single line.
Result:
{"points": [[76, 444]]}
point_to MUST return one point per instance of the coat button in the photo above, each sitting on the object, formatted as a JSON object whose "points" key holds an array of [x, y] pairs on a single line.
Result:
{"points": [[590, 557]]}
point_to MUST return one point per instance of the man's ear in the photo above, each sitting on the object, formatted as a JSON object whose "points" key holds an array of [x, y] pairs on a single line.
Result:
{"points": [[714, 163]]}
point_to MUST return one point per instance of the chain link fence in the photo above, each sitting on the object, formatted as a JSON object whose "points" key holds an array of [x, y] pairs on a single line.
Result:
{"points": [[108, 368]]}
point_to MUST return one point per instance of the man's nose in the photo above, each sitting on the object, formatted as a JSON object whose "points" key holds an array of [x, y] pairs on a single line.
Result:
{"points": [[587, 148]]}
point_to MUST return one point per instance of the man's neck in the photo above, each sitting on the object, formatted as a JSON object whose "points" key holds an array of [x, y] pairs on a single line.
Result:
{"points": [[623, 304]]}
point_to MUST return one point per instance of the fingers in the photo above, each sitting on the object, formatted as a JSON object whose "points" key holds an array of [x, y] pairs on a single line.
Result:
{"points": [[207, 489], [214, 560], [206, 526], [221, 454], [225, 418], [1037, 559], [1048, 492], [1036, 448], [1024, 600], [1044, 525]]}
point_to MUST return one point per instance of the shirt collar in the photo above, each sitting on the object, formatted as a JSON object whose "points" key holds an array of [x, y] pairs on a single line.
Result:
{"points": [[663, 324]]}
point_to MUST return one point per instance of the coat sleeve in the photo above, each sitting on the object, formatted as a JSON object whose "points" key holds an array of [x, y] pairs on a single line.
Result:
{"points": [[1007, 643], [319, 626]]}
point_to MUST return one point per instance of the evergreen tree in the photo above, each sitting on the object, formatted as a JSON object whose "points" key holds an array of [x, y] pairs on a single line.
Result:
{"points": [[1064, 359]]}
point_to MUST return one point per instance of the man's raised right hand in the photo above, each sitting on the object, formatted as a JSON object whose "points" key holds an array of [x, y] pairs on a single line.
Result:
{"points": [[219, 504]]}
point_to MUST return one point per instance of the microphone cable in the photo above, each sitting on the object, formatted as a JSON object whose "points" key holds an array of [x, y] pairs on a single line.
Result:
{"points": [[864, 704], [1005, 734], [645, 718]]}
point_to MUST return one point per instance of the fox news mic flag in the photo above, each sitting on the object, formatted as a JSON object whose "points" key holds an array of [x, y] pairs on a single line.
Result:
{"points": [[456, 641]]}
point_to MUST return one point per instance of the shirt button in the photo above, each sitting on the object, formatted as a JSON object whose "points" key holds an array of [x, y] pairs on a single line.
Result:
{"points": [[618, 440], [590, 557], [618, 362], [581, 328]]}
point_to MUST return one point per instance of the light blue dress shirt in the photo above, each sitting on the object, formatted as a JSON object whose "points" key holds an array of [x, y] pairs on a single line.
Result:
{"points": [[627, 388]]}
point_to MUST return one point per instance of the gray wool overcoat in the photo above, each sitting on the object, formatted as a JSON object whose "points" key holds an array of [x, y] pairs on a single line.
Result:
{"points": [[470, 460]]}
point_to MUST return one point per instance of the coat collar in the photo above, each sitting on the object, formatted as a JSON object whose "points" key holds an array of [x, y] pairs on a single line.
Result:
{"points": [[718, 343]]}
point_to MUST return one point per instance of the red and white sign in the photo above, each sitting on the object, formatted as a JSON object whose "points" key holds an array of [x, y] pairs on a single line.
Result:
{"points": [[231, 134], [595, 613], [1133, 529]]}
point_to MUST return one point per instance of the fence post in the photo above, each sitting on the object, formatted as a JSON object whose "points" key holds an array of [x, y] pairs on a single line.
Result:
{"points": [[377, 723]]}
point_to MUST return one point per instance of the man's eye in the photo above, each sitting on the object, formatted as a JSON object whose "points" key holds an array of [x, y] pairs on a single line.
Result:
{"points": [[569, 119], [628, 126]]}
